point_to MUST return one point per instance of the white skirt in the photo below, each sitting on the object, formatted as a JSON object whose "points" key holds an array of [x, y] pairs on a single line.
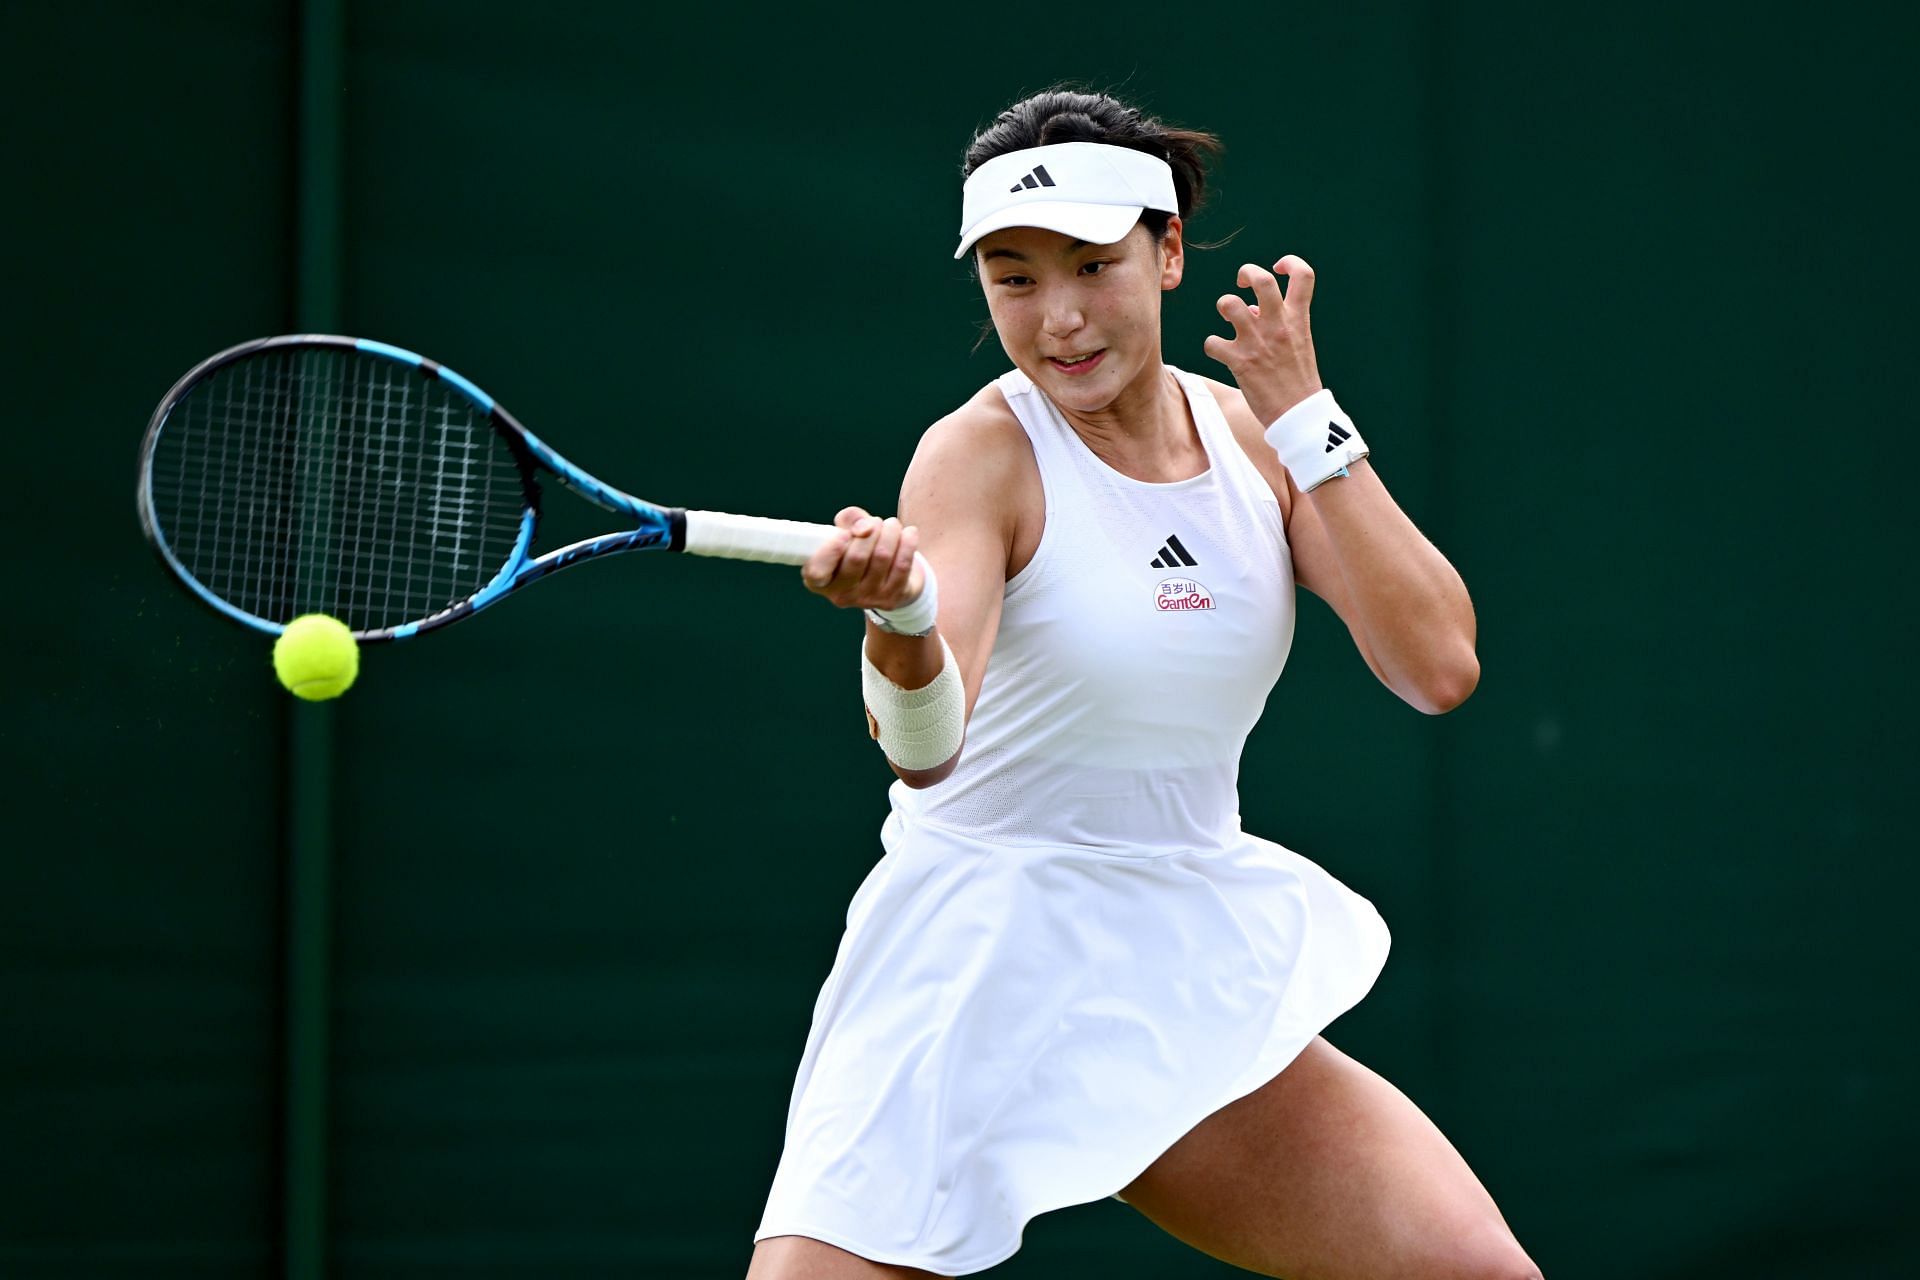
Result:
{"points": [[1013, 1029]]}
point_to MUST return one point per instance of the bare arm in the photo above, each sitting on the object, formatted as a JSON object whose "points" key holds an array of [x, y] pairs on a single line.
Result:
{"points": [[958, 502], [1406, 606], [1353, 546]]}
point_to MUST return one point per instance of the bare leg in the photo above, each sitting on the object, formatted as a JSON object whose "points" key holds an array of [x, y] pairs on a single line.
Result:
{"points": [[799, 1258], [1329, 1173]]}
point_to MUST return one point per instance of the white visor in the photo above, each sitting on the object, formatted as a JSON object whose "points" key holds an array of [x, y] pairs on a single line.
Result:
{"points": [[1088, 190]]}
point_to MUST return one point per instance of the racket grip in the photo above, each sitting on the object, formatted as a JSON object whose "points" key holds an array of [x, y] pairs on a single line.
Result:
{"points": [[731, 537]]}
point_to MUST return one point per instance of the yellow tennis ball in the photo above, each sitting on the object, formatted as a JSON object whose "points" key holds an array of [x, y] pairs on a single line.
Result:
{"points": [[316, 657]]}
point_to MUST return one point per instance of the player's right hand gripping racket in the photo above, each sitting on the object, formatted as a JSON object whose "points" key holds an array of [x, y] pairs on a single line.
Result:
{"points": [[321, 474]]}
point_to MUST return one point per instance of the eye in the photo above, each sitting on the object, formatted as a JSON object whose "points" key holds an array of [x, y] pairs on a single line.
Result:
{"points": [[1094, 268], [1013, 282]]}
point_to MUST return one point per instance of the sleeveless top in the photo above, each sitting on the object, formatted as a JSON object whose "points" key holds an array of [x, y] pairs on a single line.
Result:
{"points": [[1134, 655], [1070, 954]]}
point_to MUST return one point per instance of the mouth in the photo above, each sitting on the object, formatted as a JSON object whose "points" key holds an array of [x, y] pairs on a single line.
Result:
{"points": [[1079, 364]]}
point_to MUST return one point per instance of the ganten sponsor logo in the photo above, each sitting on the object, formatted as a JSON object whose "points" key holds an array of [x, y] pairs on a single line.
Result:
{"points": [[1181, 595]]}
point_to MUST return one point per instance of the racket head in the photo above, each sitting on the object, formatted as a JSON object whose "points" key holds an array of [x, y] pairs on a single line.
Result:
{"points": [[314, 473]]}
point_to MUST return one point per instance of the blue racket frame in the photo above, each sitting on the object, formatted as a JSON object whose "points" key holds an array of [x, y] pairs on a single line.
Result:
{"points": [[656, 528]]}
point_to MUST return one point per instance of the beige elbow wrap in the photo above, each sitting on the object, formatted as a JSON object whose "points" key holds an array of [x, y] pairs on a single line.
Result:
{"points": [[919, 729]]}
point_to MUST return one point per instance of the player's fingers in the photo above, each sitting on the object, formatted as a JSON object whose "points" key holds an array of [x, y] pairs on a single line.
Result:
{"points": [[824, 564], [1266, 289], [854, 561], [886, 541], [894, 588], [1234, 310], [917, 576], [1217, 347], [1299, 280], [850, 517]]}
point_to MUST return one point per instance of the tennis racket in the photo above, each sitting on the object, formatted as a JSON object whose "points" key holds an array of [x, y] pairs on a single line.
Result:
{"points": [[320, 474]]}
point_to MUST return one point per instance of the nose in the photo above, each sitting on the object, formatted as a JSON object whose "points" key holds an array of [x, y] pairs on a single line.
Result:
{"points": [[1061, 314]]}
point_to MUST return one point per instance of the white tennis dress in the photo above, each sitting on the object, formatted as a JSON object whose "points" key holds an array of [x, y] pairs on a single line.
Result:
{"points": [[1071, 954]]}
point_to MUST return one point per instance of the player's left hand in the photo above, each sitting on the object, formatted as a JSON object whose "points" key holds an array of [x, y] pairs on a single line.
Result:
{"points": [[1271, 351]]}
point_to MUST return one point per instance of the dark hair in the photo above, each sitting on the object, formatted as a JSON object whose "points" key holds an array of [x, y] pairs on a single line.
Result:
{"points": [[1066, 115]]}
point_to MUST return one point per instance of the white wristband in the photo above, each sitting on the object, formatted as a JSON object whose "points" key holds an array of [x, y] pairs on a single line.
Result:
{"points": [[918, 728], [1316, 440], [917, 616]]}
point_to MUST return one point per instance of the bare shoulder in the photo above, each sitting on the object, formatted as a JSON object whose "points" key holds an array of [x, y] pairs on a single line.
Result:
{"points": [[973, 485], [1251, 435], [979, 445]]}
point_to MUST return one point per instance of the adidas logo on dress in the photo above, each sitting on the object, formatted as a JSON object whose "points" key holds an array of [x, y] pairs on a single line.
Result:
{"points": [[1179, 595], [1038, 178], [1173, 555], [1337, 435]]}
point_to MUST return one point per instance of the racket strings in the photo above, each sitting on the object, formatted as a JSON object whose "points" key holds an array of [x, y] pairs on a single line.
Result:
{"points": [[323, 481]]}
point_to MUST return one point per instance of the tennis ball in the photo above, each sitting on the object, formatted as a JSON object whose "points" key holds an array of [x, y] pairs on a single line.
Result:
{"points": [[316, 657]]}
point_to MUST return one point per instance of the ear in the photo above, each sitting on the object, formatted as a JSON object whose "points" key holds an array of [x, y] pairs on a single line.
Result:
{"points": [[1173, 255]]}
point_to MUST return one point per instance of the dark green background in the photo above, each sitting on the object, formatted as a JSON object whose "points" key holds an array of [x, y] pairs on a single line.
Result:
{"points": [[1622, 300]]}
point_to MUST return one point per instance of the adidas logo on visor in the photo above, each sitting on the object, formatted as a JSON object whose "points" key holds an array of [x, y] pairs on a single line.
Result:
{"points": [[1087, 190], [1038, 178]]}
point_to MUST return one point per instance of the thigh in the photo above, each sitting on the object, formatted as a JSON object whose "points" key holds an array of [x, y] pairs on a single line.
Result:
{"points": [[801, 1258], [1328, 1172]]}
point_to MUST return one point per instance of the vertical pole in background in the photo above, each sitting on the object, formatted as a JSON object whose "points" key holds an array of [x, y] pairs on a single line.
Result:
{"points": [[308, 997]]}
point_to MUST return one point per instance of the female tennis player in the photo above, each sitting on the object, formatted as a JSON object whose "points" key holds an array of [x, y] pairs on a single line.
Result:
{"points": [[1073, 975]]}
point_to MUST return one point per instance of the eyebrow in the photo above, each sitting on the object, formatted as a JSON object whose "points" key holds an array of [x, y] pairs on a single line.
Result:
{"points": [[991, 254]]}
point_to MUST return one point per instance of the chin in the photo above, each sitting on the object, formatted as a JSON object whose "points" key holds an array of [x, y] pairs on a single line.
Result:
{"points": [[1082, 399], [1076, 395], [1089, 392]]}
